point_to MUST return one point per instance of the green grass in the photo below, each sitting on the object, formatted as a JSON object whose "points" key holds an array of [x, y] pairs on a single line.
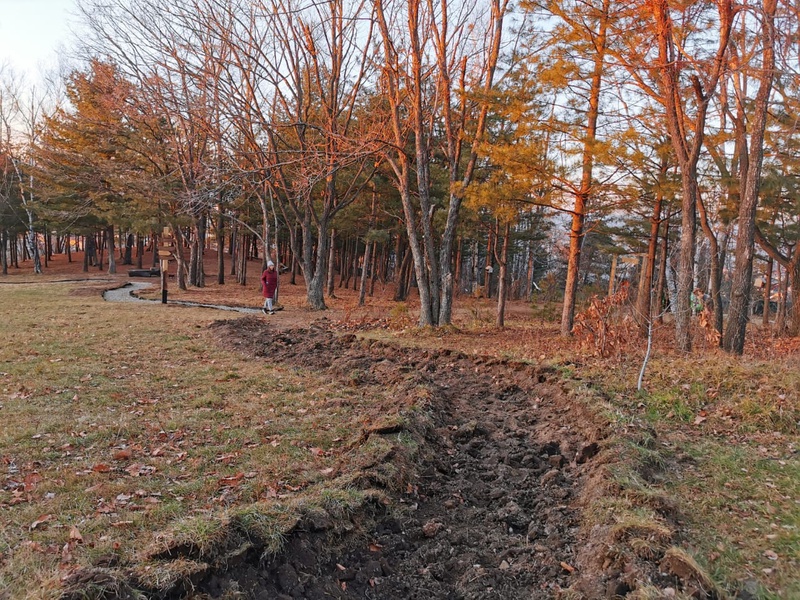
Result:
{"points": [[711, 442], [742, 505]]}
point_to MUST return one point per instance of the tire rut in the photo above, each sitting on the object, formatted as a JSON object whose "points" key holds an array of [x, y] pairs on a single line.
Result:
{"points": [[490, 512]]}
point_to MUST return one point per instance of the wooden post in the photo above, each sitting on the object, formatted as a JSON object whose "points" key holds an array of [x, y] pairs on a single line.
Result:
{"points": [[164, 275]]}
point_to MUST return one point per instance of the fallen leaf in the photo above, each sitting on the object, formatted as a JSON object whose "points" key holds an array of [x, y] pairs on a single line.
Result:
{"points": [[31, 481], [327, 471], [101, 468], [231, 480], [699, 419], [40, 521], [137, 470], [75, 535], [770, 554], [124, 454], [375, 547], [226, 458]]}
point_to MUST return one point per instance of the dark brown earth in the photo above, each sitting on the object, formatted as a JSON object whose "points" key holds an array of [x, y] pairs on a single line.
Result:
{"points": [[486, 509]]}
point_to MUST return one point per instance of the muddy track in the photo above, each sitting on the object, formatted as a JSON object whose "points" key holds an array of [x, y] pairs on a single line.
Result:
{"points": [[488, 510]]}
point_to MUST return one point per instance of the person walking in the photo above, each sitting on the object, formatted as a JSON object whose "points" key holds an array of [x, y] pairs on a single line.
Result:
{"points": [[269, 283]]}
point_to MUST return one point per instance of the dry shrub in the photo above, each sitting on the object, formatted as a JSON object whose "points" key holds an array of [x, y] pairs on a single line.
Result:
{"points": [[603, 326]]}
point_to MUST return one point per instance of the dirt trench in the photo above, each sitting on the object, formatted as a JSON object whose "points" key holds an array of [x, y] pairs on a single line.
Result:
{"points": [[488, 507]]}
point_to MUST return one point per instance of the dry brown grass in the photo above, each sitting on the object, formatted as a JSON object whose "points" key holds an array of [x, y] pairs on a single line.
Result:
{"points": [[83, 380], [127, 429]]}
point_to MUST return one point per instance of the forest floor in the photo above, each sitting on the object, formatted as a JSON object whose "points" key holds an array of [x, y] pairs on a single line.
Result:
{"points": [[393, 462]]}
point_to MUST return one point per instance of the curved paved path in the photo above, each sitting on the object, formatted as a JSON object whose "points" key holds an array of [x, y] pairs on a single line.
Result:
{"points": [[126, 294]]}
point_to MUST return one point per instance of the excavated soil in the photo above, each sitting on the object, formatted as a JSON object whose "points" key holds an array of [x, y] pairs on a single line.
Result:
{"points": [[487, 507]]}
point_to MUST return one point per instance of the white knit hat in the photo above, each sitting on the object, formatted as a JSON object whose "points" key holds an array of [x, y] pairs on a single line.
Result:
{"points": [[270, 263]]}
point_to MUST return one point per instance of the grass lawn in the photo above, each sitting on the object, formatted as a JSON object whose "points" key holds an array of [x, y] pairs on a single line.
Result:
{"points": [[126, 430]]}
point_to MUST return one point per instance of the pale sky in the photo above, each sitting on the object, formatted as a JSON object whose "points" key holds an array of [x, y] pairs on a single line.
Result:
{"points": [[31, 32]]}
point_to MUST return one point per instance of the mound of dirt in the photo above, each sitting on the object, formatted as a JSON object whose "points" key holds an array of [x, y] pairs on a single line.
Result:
{"points": [[488, 510]]}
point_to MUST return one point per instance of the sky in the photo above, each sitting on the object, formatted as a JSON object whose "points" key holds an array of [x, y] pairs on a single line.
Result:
{"points": [[31, 32]]}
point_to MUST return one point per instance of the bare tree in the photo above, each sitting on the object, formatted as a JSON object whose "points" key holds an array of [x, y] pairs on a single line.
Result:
{"points": [[683, 80], [750, 181], [434, 57], [20, 115]]}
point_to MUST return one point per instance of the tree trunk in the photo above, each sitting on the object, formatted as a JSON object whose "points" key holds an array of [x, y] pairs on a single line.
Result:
{"points": [[220, 248], [332, 264], [375, 263], [792, 265], [233, 245], [687, 151], [793, 276], [181, 270], [742, 280], [112, 259], [355, 263], [662, 273], [644, 301], [240, 252], [315, 263], [197, 276], [717, 257], [139, 250], [4, 251], [401, 288], [582, 196], [344, 262], [293, 241], [780, 317], [362, 293], [502, 289], [767, 292], [530, 271]]}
